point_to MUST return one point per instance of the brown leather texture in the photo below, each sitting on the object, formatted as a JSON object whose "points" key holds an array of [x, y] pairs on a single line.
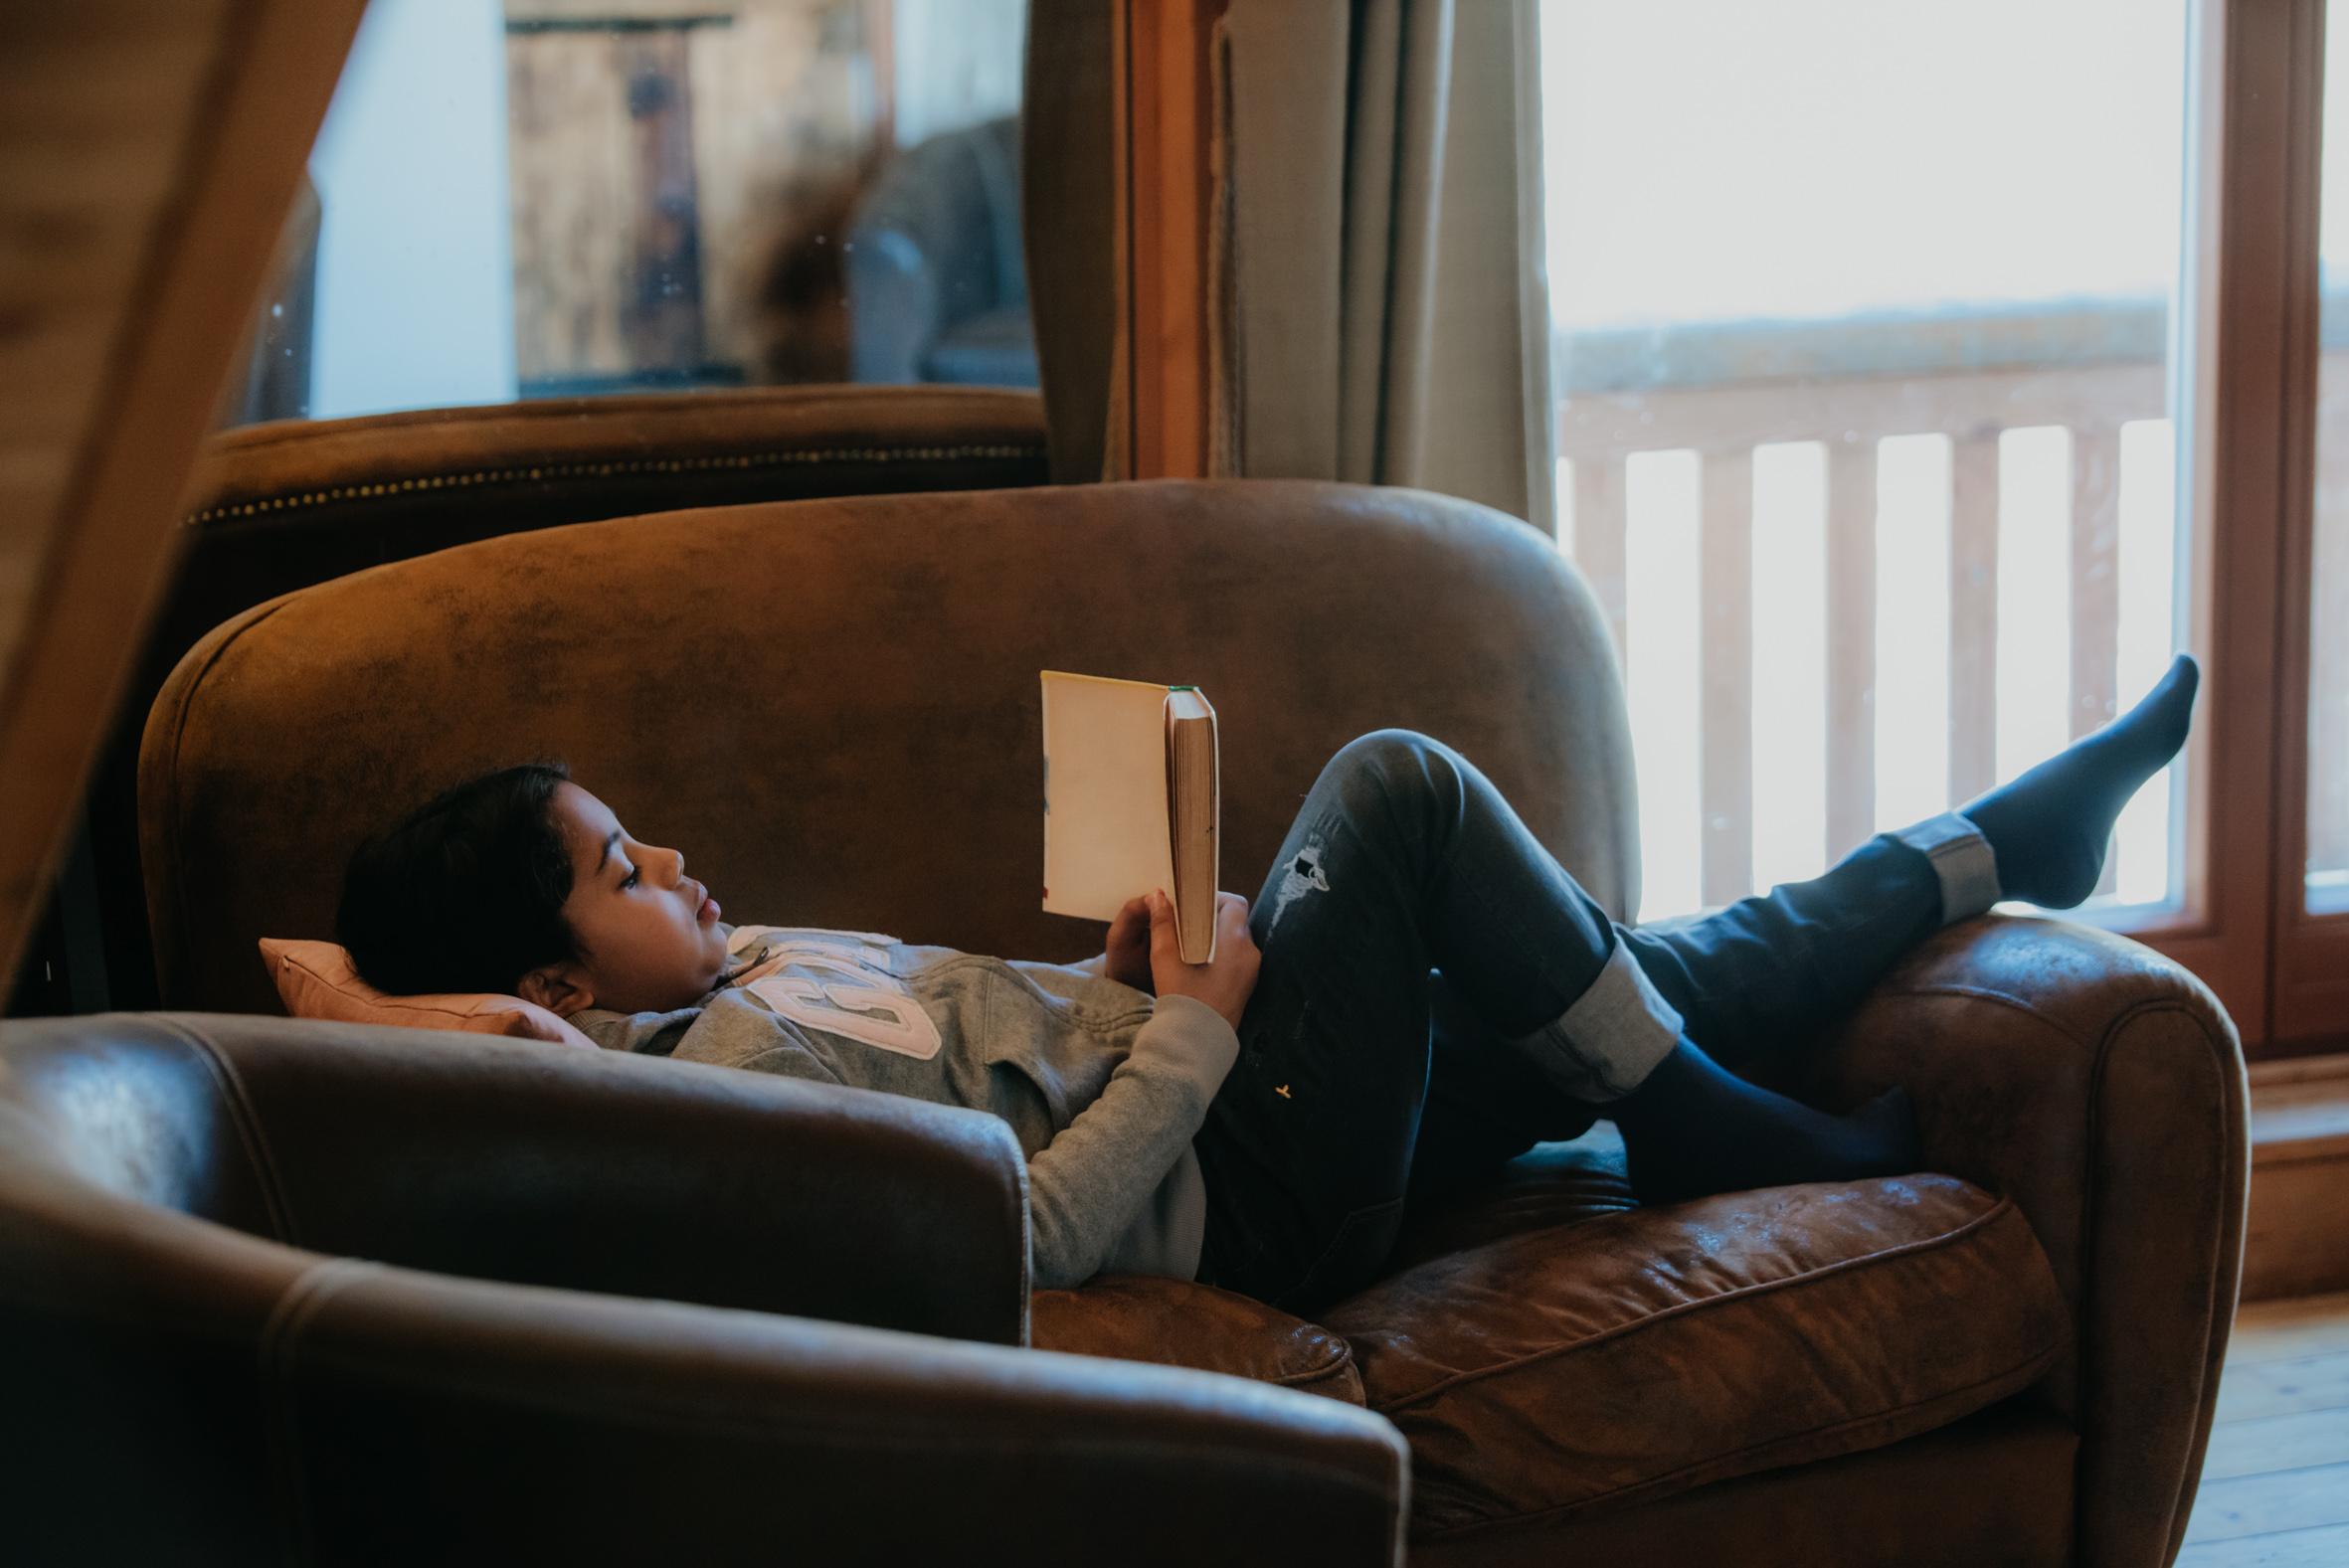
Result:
{"points": [[1638, 1354], [1995, 1487], [543, 1165], [831, 706], [233, 1260], [2101, 1087], [1178, 1323]]}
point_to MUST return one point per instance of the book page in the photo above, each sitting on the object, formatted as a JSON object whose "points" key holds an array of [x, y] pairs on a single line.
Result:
{"points": [[1105, 834]]}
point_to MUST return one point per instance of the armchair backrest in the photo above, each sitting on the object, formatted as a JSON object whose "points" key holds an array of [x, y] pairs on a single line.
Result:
{"points": [[831, 706]]}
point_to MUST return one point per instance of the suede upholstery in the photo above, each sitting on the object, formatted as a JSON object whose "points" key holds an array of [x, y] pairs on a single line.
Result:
{"points": [[276, 507], [831, 707]]}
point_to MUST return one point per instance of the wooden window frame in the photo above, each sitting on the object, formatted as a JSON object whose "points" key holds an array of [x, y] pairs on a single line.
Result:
{"points": [[1167, 66], [2231, 348], [2245, 346], [2309, 998]]}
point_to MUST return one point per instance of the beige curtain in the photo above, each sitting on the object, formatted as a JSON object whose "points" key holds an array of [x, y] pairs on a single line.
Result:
{"points": [[1380, 248], [1072, 221], [1377, 306]]}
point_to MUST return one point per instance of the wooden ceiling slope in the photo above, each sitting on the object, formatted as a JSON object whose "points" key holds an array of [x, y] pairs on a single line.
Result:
{"points": [[149, 150]]}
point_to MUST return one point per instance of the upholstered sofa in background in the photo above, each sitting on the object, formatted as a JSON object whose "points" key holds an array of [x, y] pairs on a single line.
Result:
{"points": [[937, 279], [831, 707]]}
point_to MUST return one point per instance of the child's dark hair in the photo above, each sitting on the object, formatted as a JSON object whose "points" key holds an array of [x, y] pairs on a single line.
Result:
{"points": [[465, 894]]}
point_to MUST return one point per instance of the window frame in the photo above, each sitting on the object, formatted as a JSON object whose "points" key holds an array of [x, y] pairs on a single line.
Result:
{"points": [[2308, 1003], [2244, 350]]}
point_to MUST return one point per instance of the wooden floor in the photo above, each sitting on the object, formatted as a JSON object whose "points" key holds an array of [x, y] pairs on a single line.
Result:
{"points": [[2276, 1489]]}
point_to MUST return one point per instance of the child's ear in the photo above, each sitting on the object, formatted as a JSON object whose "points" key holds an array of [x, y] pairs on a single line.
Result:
{"points": [[561, 988]]}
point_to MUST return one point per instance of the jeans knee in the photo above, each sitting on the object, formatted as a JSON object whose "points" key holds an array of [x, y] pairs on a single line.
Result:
{"points": [[1401, 767]]}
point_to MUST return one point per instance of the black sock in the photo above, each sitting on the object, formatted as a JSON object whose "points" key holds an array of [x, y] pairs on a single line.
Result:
{"points": [[1694, 1127], [2050, 827]]}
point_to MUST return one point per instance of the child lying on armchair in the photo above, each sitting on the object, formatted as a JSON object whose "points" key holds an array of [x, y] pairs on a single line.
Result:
{"points": [[1418, 995]]}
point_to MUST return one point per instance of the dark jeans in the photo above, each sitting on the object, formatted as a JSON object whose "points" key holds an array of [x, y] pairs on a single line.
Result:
{"points": [[1364, 1078]]}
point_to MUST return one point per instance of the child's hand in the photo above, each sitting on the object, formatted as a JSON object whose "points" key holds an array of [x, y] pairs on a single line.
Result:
{"points": [[1127, 952], [1225, 984]]}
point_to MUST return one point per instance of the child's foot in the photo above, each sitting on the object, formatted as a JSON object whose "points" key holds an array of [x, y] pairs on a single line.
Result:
{"points": [[2050, 827], [1694, 1127]]}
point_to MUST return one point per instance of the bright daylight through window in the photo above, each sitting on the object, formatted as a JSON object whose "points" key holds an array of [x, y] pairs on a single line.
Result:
{"points": [[2328, 624], [1863, 319]]}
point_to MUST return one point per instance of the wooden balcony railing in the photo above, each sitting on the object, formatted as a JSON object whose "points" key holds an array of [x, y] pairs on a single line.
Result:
{"points": [[1720, 392]]}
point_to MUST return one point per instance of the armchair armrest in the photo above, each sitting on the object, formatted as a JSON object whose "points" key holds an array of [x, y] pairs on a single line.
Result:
{"points": [[540, 1426], [545, 1165], [2102, 1088]]}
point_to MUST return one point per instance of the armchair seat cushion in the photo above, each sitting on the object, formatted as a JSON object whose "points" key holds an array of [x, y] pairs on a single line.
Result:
{"points": [[1635, 1355]]}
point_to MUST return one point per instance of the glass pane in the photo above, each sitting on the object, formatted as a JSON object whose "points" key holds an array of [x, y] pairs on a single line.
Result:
{"points": [[550, 197], [2328, 620], [1862, 322]]}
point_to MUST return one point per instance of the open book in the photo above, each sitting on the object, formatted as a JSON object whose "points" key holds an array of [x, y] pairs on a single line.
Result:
{"points": [[1130, 801]]}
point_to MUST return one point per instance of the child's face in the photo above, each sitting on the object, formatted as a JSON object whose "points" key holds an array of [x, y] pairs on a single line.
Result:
{"points": [[650, 932]]}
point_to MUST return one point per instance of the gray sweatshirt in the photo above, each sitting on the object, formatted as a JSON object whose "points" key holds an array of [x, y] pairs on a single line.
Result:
{"points": [[1103, 1085]]}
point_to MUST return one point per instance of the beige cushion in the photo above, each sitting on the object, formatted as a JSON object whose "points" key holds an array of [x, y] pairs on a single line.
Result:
{"points": [[1641, 1354], [316, 979]]}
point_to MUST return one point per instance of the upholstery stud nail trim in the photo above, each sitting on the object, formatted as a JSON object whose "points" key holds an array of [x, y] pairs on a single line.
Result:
{"points": [[609, 469]]}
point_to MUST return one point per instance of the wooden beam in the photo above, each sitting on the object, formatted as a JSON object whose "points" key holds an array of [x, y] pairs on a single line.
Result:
{"points": [[153, 147]]}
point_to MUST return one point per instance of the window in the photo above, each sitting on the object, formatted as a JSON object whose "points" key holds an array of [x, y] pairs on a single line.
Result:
{"points": [[1926, 375], [550, 197], [1864, 317]]}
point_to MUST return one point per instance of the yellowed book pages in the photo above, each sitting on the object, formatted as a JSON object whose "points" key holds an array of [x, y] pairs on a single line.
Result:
{"points": [[1120, 818]]}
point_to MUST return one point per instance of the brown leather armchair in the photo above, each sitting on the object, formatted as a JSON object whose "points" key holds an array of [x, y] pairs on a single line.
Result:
{"points": [[248, 1314], [831, 704]]}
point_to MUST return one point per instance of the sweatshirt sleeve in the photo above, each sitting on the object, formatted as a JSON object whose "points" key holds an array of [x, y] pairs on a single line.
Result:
{"points": [[1090, 1182]]}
